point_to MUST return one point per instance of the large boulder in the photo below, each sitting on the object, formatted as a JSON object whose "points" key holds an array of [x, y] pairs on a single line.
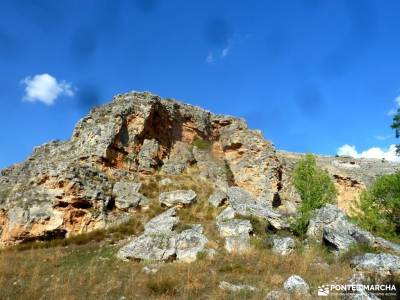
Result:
{"points": [[179, 198], [243, 203], [295, 284], [383, 265], [160, 241], [331, 225], [150, 246]]}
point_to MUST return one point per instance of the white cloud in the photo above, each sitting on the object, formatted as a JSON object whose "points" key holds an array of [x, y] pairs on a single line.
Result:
{"points": [[374, 152], [46, 89], [382, 137], [225, 51], [393, 111], [210, 58]]}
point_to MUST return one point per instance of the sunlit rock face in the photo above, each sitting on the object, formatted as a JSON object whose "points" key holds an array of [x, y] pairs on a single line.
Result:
{"points": [[93, 180]]}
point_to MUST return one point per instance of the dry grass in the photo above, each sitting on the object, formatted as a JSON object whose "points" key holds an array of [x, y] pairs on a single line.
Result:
{"points": [[88, 269], [91, 271]]}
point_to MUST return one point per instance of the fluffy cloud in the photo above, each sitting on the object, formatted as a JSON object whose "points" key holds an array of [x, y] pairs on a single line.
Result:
{"points": [[374, 152], [46, 89], [393, 111], [210, 58]]}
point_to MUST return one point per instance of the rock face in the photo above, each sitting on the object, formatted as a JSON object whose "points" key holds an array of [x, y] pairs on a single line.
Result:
{"points": [[92, 180]]}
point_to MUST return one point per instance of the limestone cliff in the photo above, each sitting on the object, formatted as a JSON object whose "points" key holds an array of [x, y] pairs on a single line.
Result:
{"points": [[70, 187]]}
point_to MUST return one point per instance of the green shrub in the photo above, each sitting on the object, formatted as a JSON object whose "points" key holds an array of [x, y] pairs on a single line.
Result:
{"points": [[202, 144], [315, 188], [378, 210]]}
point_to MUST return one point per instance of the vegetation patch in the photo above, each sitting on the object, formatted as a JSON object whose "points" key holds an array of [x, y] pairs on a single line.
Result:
{"points": [[378, 210], [202, 144]]}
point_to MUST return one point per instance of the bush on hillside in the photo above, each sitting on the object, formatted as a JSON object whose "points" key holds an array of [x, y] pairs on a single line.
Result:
{"points": [[378, 210], [315, 188]]}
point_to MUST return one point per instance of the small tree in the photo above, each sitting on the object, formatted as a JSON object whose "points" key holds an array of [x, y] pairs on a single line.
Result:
{"points": [[315, 188], [396, 126], [379, 207]]}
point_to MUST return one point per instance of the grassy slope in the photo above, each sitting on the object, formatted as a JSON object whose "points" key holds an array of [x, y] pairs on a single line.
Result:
{"points": [[85, 267], [91, 271]]}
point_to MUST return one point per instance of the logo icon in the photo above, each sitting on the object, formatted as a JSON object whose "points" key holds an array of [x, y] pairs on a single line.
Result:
{"points": [[323, 290]]}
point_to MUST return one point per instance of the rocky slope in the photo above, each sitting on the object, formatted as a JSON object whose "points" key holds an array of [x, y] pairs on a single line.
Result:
{"points": [[94, 180]]}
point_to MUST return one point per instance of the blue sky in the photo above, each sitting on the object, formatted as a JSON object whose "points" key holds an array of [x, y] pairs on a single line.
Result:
{"points": [[313, 75]]}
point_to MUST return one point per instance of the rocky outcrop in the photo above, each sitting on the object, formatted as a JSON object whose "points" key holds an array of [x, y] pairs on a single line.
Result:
{"points": [[65, 188], [92, 180], [161, 242], [331, 226]]}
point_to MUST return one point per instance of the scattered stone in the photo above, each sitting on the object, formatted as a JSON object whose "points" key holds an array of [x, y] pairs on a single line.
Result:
{"points": [[281, 245], [179, 197], [296, 284], [224, 285], [217, 199]]}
